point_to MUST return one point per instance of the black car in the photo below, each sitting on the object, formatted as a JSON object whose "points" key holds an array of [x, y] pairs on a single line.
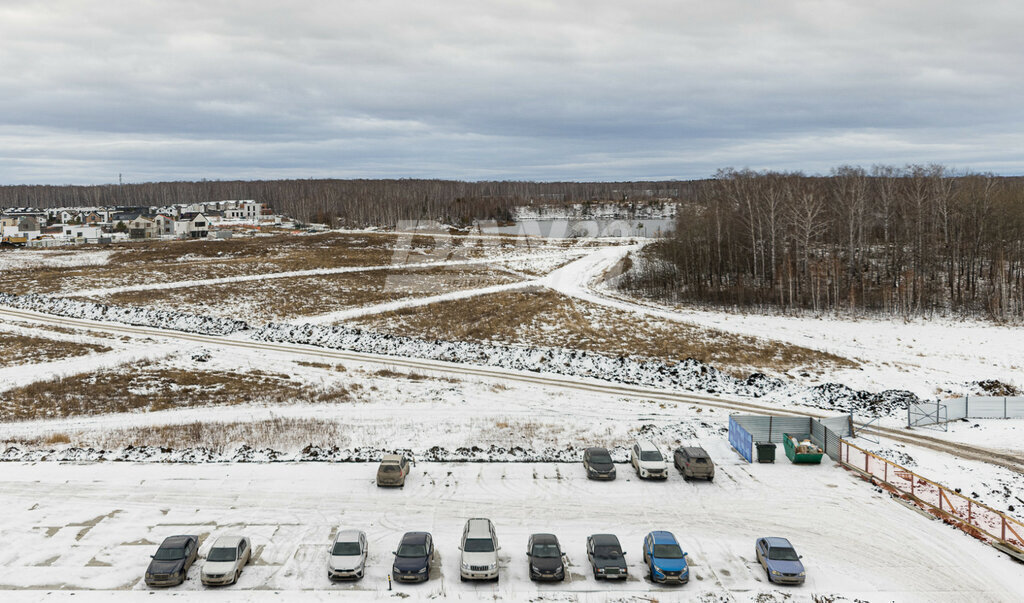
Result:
{"points": [[412, 559], [606, 557], [545, 555], [171, 562], [598, 463]]}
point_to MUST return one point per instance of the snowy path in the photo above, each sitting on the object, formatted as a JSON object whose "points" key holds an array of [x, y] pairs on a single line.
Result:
{"points": [[314, 272], [72, 527]]}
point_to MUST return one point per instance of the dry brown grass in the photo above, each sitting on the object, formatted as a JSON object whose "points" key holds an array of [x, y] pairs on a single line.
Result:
{"points": [[411, 376], [151, 262], [543, 317], [290, 298], [219, 437], [148, 388], [57, 438], [321, 365], [22, 349]]}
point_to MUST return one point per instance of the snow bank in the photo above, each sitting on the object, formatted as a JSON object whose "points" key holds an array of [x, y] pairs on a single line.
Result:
{"points": [[248, 454], [689, 374], [131, 315]]}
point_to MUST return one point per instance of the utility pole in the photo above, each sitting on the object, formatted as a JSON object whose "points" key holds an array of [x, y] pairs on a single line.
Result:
{"points": [[120, 182]]}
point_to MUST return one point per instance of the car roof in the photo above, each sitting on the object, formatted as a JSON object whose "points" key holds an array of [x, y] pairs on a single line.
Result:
{"points": [[348, 536], [415, 537], [663, 537], [646, 444], [605, 540], [478, 527], [229, 541], [179, 540], [775, 541], [694, 450], [544, 539], [594, 449], [391, 458]]}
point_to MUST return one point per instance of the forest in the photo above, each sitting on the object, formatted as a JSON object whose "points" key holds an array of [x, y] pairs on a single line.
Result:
{"points": [[352, 203], [902, 241], [909, 241]]}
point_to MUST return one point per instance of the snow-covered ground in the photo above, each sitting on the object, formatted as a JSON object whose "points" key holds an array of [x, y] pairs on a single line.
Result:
{"points": [[94, 527], [999, 487], [22, 259], [935, 357]]}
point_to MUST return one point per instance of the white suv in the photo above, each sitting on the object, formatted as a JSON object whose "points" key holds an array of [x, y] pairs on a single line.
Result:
{"points": [[648, 461], [479, 551]]}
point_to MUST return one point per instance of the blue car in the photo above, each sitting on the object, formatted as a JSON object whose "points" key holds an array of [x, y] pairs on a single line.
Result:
{"points": [[665, 559], [412, 559], [780, 561]]}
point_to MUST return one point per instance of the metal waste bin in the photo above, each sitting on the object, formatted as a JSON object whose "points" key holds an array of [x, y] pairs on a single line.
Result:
{"points": [[765, 452]]}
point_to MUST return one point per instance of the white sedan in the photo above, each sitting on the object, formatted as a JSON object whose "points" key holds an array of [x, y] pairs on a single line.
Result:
{"points": [[225, 560]]}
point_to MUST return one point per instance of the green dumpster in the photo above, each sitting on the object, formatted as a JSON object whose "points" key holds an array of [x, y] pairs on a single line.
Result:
{"points": [[799, 449], [765, 452]]}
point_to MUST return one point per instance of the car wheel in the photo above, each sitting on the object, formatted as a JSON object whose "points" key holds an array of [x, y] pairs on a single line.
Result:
{"points": [[461, 577], [237, 574]]}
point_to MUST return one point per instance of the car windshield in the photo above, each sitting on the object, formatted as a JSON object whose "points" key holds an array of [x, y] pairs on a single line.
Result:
{"points": [[545, 551], [601, 458], [668, 551], [389, 468], [221, 554], [650, 455], [700, 460], [782, 554], [479, 545], [412, 550], [607, 552], [169, 554], [346, 548]]}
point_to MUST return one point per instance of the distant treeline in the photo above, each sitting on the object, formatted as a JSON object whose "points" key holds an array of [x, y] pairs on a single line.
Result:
{"points": [[906, 241], [353, 203]]}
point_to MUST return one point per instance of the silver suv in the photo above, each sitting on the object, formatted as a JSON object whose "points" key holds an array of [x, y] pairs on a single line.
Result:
{"points": [[479, 551]]}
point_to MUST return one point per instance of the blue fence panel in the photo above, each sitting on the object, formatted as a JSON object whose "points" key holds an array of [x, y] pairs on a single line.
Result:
{"points": [[741, 440]]}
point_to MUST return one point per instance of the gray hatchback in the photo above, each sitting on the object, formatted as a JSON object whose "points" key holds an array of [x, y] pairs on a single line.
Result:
{"points": [[694, 462]]}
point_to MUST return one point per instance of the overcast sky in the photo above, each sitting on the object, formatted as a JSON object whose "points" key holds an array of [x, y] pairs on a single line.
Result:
{"points": [[483, 89]]}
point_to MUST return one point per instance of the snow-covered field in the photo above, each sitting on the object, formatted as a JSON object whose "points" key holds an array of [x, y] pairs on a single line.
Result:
{"points": [[89, 496]]}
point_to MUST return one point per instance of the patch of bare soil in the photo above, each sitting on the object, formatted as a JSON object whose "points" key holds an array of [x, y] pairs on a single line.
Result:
{"points": [[149, 388]]}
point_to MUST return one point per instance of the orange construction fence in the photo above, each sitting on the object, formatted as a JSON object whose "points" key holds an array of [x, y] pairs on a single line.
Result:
{"points": [[977, 519]]}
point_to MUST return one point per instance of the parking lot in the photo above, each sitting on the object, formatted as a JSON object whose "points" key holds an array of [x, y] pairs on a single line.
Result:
{"points": [[94, 526]]}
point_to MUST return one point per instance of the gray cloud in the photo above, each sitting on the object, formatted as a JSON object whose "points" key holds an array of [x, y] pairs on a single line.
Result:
{"points": [[540, 90]]}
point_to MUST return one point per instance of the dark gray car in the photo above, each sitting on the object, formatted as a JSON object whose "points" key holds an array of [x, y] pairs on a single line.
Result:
{"points": [[598, 463], [171, 562], [606, 557], [545, 555], [694, 462]]}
